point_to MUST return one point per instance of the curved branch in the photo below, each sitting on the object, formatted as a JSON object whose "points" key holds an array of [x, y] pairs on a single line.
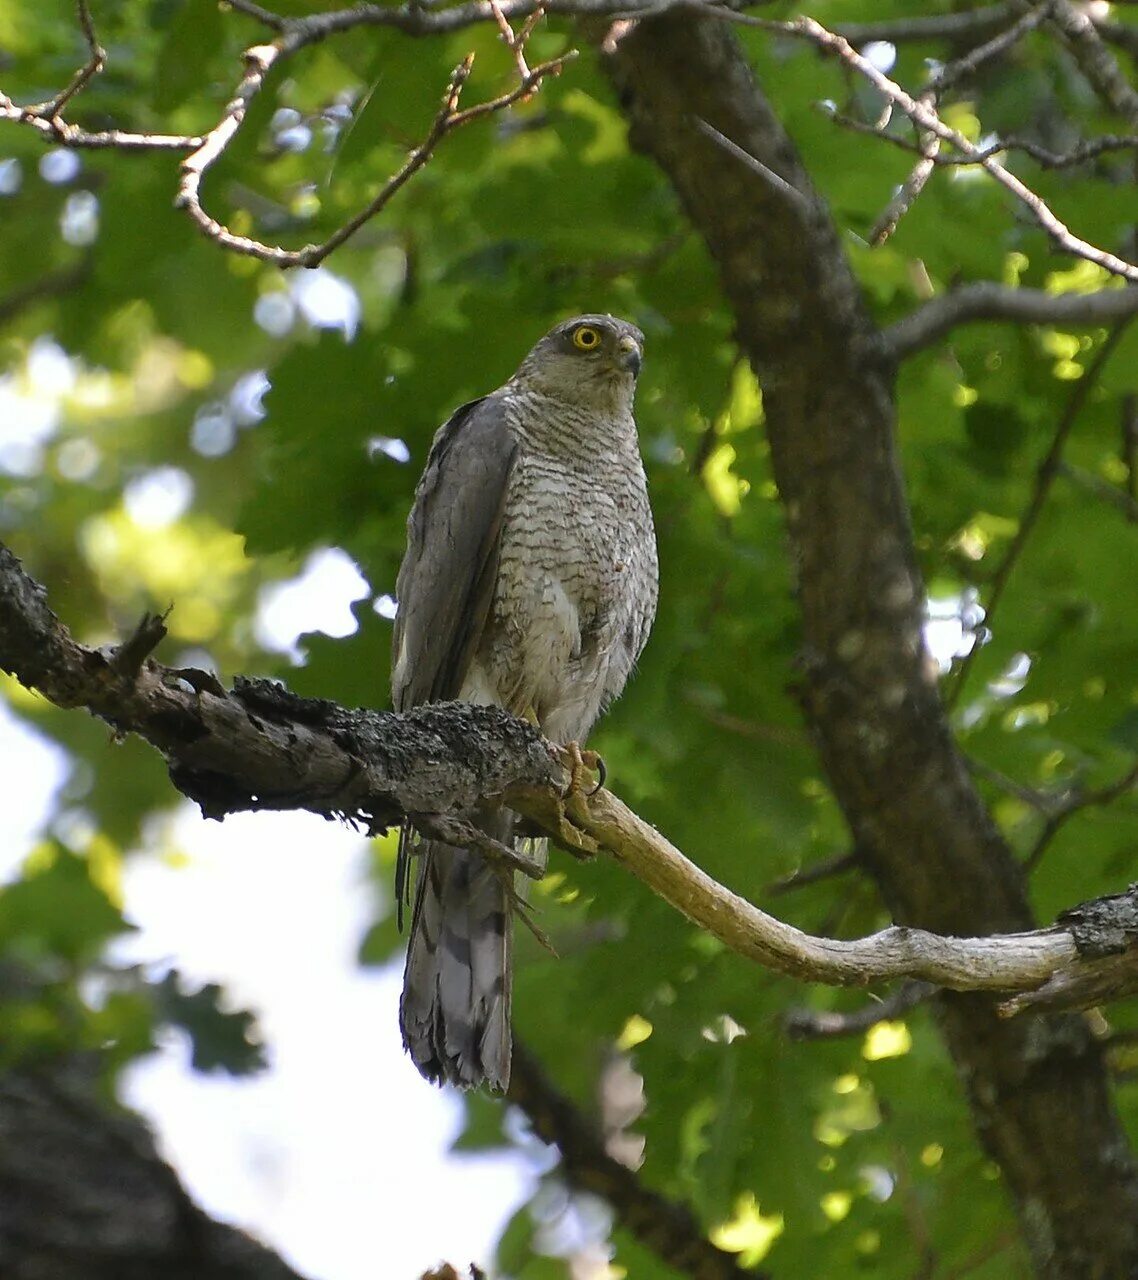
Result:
{"points": [[986, 301], [259, 747], [259, 60], [999, 962]]}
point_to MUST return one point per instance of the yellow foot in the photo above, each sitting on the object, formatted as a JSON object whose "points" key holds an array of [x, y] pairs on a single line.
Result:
{"points": [[581, 763]]}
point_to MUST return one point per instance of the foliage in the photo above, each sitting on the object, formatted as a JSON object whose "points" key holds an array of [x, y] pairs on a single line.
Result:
{"points": [[140, 374]]}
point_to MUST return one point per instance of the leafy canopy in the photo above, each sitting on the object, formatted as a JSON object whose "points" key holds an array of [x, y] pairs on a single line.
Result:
{"points": [[187, 426]]}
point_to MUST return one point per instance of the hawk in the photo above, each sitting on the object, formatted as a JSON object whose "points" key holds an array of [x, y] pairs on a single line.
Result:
{"points": [[529, 582]]}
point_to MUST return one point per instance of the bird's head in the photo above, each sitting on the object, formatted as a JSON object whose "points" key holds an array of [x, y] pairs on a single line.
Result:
{"points": [[589, 359]]}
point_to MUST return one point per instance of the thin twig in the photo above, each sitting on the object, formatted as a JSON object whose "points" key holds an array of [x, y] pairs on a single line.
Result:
{"points": [[1077, 801], [768, 175], [1101, 488], [47, 120], [928, 147], [259, 60], [58, 131], [516, 43], [926, 118], [968, 64], [780, 735], [295, 34], [819, 1024], [965, 25], [1081, 153], [1038, 800], [971, 24], [1044, 478], [277, 21], [909, 190], [95, 63], [815, 873]]}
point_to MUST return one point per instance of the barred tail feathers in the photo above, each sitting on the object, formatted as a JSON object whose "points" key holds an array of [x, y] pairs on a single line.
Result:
{"points": [[455, 1010]]}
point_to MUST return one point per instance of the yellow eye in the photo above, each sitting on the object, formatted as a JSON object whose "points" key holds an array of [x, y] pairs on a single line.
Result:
{"points": [[586, 338]]}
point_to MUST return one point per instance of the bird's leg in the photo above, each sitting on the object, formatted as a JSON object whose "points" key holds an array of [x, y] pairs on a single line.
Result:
{"points": [[465, 835], [580, 763]]}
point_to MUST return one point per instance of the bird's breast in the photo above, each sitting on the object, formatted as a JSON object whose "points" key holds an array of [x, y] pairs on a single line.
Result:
{"points": [[564, 592]]}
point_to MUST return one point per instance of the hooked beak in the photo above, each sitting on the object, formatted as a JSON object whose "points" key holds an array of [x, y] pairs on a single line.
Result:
{"points": [[630, 355]]}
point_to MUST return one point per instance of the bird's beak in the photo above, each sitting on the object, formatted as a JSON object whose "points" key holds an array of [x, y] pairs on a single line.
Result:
{"points": [[630, 355]]}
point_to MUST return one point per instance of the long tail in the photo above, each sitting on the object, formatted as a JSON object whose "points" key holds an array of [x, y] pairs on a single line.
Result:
{"points": [[455, 1010]]}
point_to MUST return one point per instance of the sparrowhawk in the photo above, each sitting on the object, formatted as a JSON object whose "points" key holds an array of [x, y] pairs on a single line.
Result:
{"points": [[530, 583]]}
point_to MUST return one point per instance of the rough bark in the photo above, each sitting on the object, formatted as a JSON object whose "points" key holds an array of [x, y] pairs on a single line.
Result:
{"points": [[84, 1196], [1037, 1088], [259, 747]]}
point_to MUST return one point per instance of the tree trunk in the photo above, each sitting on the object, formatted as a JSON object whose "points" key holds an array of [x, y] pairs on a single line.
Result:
{"points": [[1037, 1087]]}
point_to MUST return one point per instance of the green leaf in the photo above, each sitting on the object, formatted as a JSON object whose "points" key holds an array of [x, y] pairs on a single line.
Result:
{"points": [[221, 1039], [57, 910]]}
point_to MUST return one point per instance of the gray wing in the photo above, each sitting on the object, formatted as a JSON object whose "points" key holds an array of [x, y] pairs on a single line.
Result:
{"points": [[446, 581]]}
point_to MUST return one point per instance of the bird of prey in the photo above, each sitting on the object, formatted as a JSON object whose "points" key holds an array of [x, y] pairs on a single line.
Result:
{"points": [[529, 582]]}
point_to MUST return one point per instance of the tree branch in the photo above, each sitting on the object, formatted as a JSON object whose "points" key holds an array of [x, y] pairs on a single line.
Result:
{"points": [[259, 747], [1094, 59], [815, 1024], [970, 24], [295, 34], [1038, 1090], [1076, 802], [925, 117], [666, 1227], [94, 64], [86, 1196], [986, 301], [259, 61]]}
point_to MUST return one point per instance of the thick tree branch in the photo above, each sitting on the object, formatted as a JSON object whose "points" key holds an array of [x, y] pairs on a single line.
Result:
{"points": [[259, 747], [86, 1197]]}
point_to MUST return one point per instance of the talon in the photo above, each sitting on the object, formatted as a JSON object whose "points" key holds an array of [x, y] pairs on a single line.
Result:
{"points": [[602, 774], [580, 763]]}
